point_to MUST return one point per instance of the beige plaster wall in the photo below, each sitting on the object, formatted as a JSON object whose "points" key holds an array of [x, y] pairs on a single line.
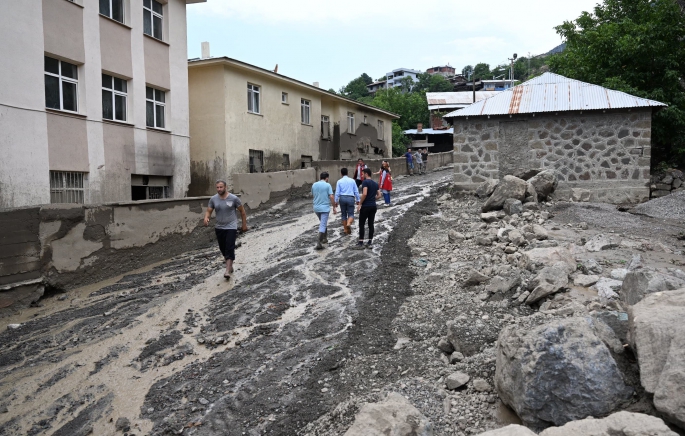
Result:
{"points": [[258, 188], [63, 30], [156, 63], [67, 143], [115, 48], [119, 161], [160, 153]]}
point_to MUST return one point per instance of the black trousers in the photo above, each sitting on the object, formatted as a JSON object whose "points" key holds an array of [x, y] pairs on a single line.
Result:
{"points": [[366, 213], [226, 240]]}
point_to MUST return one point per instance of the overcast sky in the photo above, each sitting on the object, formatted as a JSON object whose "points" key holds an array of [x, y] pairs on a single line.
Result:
{"points": [[333, 42]]}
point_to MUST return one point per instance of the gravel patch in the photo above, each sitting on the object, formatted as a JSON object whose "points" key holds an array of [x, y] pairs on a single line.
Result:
{"points": [[670, 207]]}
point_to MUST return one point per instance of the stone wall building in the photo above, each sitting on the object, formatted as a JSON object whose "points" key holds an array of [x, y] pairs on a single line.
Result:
{"points": [[597, 140]]}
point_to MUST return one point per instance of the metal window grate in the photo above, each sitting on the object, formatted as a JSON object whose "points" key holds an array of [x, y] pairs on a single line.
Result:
{"points": [[157, 192], [67, 187], [256, 161]]}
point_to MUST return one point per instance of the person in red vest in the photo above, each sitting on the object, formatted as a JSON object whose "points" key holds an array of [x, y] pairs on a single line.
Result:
{"points": [[358, 170], [385, 182]]}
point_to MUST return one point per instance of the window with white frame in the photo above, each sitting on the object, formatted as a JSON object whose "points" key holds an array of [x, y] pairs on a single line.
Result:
{"points": [[67, 187], [350, 122], [306, 107], [113, 9], [381, 130], [325, 127], [153, 18], [61, 85], [252, 98], [114, 92], [284, 97], [155, 107]]}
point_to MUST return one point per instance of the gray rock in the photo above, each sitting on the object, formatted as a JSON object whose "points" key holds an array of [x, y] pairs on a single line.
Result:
{"points": [[516, 237], [512, 206], [122, 424], [394, 416], [657, 333], [481, 385], [456, 357], [607, 289], [667, 180], [483, 240], [580, 195], [549, 280], [531, 194], [552, 255], [203, 401], [618, 424], [510, 430], [501, 285], [456, 380], [474, 278], [545, 183], [454, 236], [491, 217], [618, 321], [531, 207], [590, 266], [635, 263], [557, 372], [619, 273], [585, 281], [639, 283], [445, 346], [540, 232], [601, 242], [508, 187], [486, 188]]}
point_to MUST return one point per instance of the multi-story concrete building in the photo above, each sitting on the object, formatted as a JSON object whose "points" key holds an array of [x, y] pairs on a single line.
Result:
{"points": [[394, 77], [93, 101], [443, 70], [248, 119]]}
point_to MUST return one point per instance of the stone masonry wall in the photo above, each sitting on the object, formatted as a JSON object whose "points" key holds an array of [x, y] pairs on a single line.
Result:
{"points": [[605, 155]]}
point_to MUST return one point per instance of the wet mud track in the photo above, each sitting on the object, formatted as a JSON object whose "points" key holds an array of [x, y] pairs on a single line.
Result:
{"points": [[175, 349]]}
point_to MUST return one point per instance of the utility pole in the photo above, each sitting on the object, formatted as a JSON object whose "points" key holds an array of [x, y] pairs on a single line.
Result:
{"points": [[473, 83], [511, 69]]}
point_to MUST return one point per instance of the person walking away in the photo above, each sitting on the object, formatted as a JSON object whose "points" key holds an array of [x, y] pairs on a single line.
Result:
{"points": [[226, 228], [424, 159], [367, 207], [323, 200], [346, 195], [410, 162], [419, 162], [358, 170], [385, 183]]}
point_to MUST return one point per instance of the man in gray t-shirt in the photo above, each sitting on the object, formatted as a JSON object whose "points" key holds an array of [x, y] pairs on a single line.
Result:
{"points": [[226, 228]]}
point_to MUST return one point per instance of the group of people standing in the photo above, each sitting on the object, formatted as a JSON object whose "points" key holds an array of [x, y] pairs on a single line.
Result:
{"points": [[416, 160], [361, 191]]}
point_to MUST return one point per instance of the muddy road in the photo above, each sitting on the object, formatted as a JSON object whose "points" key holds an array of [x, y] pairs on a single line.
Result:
{"points": [[175, 349]]}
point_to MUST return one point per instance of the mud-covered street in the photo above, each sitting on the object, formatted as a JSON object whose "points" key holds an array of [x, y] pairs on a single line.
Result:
{"points": [[175, 349]]}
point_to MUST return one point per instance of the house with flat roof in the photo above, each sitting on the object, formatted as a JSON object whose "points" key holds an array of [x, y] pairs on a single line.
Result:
{"points": [[443, 70], [94, 101], [244, 118], [394, 77]]}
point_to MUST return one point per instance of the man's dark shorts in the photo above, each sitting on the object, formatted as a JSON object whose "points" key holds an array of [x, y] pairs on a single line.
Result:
{"points": [[226, 239]]}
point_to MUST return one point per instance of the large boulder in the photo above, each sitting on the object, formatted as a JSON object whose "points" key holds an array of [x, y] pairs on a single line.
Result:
{"points": [[486, 188], [544, 183], [510, 430], [551, 256], [394, 416], [557, 372], [617, 424], [657, 333], [549, 281], [640, 283], [508, 187]]}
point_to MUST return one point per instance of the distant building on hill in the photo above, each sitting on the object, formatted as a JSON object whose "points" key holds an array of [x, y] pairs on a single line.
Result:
{"points": [[444, 70]]}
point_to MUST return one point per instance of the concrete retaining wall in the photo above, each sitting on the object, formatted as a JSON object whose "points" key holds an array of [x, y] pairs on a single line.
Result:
{"points": [[258, 188], [398, 165], [65, 246]]}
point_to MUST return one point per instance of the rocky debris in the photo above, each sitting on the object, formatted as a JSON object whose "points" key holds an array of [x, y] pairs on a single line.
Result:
{"points": [[551, 256], [590, 266], [445, 346], [486, 188], [607, 288], [585, 280], [635, 263], [557, 372], [601, 242], [657, 334], [475, 278], [508, 187], [491, 217], [481, 385], [669, 207], [619, 273], [617, 424], [394, 416], [544, 183], [665, 182], [510, 430], [549, 280], [580, 195], [512, 206], [642, 282], [453, 236], [531, 195], [502, 285], [122, 424], [468, 334], [456, 380]]}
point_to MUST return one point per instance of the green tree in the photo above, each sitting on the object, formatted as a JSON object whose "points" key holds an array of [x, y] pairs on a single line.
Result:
{"points": [[638, 47], [356, 88], [406, 84], [366, 78], [481, 71], [400, 141], [467, 71], [432, 83]]}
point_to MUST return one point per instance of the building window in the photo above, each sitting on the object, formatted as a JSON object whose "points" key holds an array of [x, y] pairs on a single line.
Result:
{"points": [[252, 98], [286, 161], [381, 130], [256, 161], [149, 187], [306, 161], [61, 85], [114, 92], [154, 110], [365, 120], [350, 122], [113, 9], [153, 17], [284, 97], [306, 107], [67, 187], [325, 127]]}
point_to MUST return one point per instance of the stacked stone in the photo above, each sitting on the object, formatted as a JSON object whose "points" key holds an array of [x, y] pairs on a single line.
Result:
{"points": [[476, 151], [666, 182]]}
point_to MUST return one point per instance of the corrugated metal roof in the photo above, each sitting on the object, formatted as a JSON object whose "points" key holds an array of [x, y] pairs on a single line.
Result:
{"points": [[429, 132], [443, 98], [553, 93]]}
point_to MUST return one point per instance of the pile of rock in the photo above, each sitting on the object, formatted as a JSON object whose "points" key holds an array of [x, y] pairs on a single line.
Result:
{"points": [[512, 194], [665, 182]]}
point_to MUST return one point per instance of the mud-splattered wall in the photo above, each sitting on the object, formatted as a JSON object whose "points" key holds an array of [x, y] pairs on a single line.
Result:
{"points": [[258, 188], [63, 246]]}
